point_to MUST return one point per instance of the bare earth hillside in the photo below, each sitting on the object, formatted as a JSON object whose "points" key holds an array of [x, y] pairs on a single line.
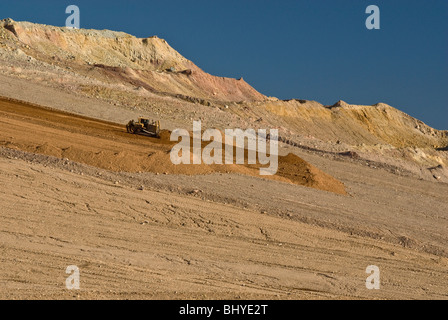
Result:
{"points": [[356, 185], [148, 76]]}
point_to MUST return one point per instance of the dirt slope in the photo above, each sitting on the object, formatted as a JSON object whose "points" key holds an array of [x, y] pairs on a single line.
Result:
{"points": [[156, 244], [108, 146]]}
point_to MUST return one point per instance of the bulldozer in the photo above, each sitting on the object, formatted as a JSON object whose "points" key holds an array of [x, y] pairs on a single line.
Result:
{"points": [[144, 125]]}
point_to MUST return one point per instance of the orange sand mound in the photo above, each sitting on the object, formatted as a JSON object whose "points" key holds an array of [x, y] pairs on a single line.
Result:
{"points": [[107, 145]]}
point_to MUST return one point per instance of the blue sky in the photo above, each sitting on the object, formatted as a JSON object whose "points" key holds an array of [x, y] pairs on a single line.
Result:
{"points": [[311, 49]]}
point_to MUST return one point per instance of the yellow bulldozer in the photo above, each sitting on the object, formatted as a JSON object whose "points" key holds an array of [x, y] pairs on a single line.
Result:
{"points": [[144, 125]]}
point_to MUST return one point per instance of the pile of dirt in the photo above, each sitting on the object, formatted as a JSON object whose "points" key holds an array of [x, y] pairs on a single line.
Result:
{"points": [[165, 136], [301, 172], [108, 146]]}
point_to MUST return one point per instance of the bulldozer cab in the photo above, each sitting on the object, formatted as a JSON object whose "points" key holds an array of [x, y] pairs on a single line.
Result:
{"points": [[144, 121]]}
